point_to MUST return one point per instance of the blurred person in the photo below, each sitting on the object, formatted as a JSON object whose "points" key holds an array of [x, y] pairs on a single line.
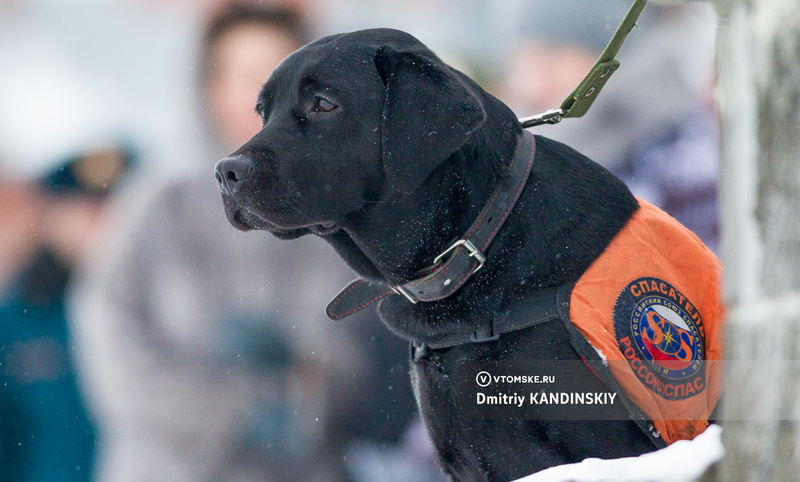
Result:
{"points": [[19, 208], [45, 432], [654, 123], [206, 352], [240, 52]]}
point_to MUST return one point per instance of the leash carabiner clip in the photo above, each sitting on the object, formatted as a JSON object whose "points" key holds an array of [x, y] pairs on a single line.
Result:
{"points": [[552, 116]]}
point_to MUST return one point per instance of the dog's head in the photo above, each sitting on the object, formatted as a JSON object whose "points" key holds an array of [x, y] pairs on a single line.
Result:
{"points": [[349, 121]]}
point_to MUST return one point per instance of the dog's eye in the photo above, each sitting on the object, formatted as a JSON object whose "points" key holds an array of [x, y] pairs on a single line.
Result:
{"points": [[323, 105], [260, 112]]}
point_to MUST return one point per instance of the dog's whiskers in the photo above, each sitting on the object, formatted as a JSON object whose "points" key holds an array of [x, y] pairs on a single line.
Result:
{"points": [[294, 206]]}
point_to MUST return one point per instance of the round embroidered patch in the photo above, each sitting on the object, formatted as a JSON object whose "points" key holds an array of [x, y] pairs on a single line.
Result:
{"points": [[660, 333]]}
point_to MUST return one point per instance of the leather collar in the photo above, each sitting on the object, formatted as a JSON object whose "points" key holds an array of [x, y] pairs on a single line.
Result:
{"points": [[465, 257]]}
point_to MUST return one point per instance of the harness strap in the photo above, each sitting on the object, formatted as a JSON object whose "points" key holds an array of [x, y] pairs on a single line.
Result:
{"points": [[599, 367], [579, 101], [535, 308]]}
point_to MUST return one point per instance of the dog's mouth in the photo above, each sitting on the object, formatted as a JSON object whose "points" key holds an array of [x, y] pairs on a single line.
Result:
{"points": [[324, 229], [238, 221], [244, 220]]}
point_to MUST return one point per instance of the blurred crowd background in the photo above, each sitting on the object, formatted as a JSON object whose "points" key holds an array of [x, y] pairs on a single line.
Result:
{"points": [[142, 338]]}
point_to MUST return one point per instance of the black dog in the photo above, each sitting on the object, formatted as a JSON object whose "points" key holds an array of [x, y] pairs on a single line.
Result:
{"points": [[373, 143]]}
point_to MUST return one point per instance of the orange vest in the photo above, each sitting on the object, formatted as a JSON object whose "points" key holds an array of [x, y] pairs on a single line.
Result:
{"points": [[650, 306]]}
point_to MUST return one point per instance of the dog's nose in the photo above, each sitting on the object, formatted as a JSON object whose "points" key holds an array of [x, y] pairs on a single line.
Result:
{"points": [[231, 171]]}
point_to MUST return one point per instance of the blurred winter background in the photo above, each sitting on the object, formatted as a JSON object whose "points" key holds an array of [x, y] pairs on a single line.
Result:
{"points": [[142, 338]]}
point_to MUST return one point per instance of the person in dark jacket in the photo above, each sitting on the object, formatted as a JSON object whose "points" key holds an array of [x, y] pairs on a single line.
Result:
{"points": [[45, 431]]}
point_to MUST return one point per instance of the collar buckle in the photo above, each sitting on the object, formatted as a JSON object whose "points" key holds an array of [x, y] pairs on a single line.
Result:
{"points": [[402, 291], [471, 249]]}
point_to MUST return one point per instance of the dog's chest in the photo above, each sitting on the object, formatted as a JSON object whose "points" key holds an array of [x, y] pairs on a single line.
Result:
{"points": [[469, 446]]}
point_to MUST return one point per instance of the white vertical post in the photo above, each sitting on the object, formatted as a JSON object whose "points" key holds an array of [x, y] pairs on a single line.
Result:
{"points": [[759, 99]]}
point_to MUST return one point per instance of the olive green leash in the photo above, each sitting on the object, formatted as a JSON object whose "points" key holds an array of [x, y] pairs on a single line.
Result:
{"points": [[579, 101]]}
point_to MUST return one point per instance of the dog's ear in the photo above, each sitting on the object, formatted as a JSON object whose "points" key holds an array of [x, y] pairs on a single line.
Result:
{"points": [[428, 113]]}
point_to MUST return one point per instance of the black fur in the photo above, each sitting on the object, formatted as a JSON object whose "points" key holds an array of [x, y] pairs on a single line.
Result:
{"points": [[394, 174]]}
